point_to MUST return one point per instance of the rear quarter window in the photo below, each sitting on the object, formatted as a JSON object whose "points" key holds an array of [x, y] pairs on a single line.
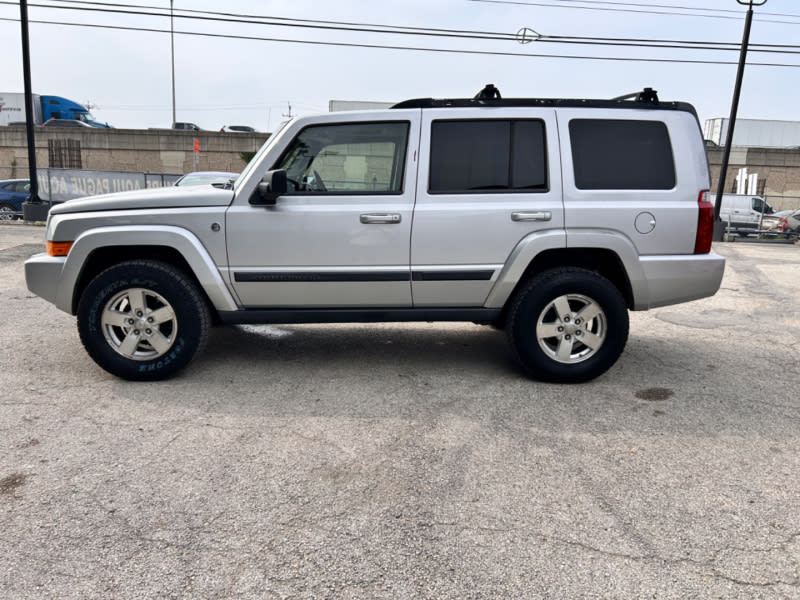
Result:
{"points": [[610, 154]]}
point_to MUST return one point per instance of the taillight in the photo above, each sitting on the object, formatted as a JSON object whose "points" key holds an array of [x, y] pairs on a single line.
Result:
{"points": [[705, 224]]}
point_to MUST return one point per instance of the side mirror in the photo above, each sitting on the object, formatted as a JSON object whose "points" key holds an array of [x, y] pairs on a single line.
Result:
{"points": [[271, 186]]}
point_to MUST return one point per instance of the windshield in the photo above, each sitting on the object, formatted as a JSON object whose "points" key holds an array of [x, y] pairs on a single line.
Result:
{"points": [[259, 154]]}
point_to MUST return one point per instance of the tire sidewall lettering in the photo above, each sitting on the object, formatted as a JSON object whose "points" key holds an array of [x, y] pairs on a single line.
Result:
{"points": [[175, 286]]}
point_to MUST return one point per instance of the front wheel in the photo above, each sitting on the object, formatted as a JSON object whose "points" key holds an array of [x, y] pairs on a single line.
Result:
{"points": [[568, 325], [143, 320]]}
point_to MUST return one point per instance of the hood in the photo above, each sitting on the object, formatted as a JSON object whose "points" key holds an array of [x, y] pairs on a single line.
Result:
{"points": [[166, 197]]}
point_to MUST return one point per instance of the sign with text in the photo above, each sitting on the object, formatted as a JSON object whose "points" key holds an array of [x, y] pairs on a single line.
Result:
{"points": [[59, 185]]}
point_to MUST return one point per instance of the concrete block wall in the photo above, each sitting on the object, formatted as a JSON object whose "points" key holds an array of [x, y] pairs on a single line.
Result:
{"points": [[778, 168], [151, 150]]}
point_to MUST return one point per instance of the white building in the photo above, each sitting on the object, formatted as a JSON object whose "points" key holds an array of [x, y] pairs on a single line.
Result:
{"points": [[754, 133]]}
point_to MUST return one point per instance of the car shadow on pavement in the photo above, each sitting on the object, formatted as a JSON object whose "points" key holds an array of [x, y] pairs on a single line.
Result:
{"points": [[422, 371]]}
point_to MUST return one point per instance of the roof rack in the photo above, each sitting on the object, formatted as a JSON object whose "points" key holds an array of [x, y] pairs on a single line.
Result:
{"points": [[648, 95], [490, 96]]}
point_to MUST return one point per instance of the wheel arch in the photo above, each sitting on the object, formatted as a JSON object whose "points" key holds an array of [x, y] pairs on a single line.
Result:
{"points": [[602, 261], [96, 250], [609, 255]]}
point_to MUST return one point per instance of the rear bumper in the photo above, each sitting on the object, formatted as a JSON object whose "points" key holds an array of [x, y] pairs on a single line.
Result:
{"points": [[676, 279]]}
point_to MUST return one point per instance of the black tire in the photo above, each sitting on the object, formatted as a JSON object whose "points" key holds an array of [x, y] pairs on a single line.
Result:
{"points": [[7, 212], [143, 320], [559, 302]]}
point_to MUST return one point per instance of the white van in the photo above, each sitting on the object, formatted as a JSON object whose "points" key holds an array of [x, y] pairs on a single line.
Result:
{"points": [[743, 210]]}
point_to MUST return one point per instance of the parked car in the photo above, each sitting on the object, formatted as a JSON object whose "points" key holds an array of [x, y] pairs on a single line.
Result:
{"points": [[771, 222], [238, 129], [186, 126], [13, 192], [549, 218], [790, 220], [215, 178], [66, 123]]}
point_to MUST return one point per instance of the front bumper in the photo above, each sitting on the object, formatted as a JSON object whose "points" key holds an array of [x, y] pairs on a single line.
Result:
{"points": [[43, 274]]}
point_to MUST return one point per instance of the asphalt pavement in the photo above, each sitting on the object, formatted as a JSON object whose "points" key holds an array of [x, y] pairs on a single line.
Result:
{"points": [[408, 460]]}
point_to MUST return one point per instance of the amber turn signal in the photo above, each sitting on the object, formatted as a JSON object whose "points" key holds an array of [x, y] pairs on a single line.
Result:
{"points": [[58, 248]]}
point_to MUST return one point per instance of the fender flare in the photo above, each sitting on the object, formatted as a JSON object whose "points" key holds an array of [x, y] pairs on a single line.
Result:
{"points": [[177, 238], [534, 244]]}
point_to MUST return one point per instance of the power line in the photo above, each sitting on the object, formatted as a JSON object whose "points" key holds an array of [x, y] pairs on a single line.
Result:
{"points": [[369, 27], [636, 11], [406, 48], [128, 9], [451, 33], [673, 6]]}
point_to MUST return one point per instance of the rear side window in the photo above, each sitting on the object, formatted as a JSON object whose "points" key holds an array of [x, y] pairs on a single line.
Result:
{"points": [[612, 154], [487, 155]]}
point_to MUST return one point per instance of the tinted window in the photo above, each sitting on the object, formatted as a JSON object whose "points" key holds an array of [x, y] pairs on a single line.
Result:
{"points": [[474, 156], [621, 155], [761, 206], [347, 158]]}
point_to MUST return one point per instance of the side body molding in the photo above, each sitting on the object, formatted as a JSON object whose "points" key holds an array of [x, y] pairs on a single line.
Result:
{"points": [[182, 240]]}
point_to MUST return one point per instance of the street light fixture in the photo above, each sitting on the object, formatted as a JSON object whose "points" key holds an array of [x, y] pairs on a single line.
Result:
{"points": [[737, 88]]}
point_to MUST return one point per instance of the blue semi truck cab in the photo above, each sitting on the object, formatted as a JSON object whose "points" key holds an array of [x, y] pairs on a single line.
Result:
{"points": [[56, 107], [12, 109]]}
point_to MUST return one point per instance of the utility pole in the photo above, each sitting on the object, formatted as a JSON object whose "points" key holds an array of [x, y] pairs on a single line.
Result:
{"points": [[172, 54], [737, 88], [33, 208]]}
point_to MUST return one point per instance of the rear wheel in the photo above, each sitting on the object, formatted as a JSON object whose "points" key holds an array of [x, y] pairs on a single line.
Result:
{"points": [[143, 320], [568, 325], [7, 212]]}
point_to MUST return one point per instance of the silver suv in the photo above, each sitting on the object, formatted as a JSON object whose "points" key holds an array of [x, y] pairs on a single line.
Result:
{"points": [[549, 218]]}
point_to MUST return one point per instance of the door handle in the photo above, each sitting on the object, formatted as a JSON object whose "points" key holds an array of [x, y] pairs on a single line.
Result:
{"points": [[385, 218], [543, 215]]}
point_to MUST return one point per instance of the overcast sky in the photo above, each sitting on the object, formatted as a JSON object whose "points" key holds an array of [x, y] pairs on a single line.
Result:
{"points": [[221, 80]]}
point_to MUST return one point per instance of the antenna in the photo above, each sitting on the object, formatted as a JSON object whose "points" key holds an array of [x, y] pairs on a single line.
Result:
{"points": [[289, 115]]}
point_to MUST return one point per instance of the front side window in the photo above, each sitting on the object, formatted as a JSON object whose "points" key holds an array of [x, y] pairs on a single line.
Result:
{"points": [[760, 206], [609, 154], [367, 158], [488, 155]]}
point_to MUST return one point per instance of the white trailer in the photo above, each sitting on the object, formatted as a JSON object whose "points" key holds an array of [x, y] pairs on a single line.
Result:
{"points": [[12, 108]]}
